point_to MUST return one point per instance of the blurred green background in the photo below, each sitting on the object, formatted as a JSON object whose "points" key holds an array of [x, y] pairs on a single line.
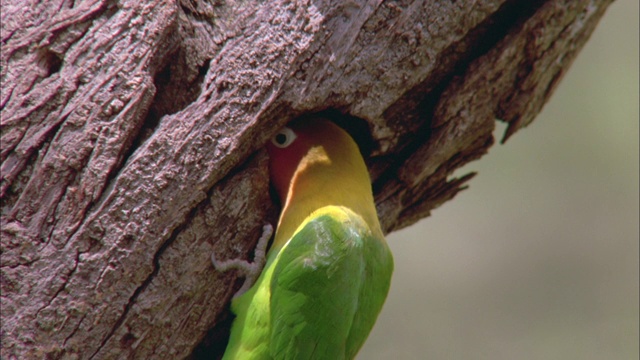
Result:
{"points": [[538, 259]]}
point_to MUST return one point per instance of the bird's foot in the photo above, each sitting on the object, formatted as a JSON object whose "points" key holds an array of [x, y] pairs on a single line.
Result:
{"points": [[250, 270]]}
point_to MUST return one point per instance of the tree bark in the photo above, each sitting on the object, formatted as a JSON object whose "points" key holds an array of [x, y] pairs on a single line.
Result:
{"points": [[132, 135]]}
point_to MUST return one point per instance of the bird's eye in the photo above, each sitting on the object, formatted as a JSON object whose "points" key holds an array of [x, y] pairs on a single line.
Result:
{"points": [[283, 138]]}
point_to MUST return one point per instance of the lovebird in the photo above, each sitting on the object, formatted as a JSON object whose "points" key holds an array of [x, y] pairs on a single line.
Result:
{"points": [[328, 271]]}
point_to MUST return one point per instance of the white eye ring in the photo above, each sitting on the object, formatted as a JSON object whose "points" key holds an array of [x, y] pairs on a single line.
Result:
{"points": [[283, 138]]}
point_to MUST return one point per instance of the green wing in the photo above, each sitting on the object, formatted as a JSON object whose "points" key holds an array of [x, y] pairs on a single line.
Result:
{"points": [[327, 288]]}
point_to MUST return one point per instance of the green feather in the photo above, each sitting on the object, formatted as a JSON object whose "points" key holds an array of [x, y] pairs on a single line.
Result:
{"points": [[318, 297]]}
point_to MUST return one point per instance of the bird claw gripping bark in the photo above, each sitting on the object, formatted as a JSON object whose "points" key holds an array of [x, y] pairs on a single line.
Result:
{"points": [[250, 270]]}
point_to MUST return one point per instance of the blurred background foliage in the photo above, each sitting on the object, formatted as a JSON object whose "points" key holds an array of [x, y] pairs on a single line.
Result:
{"points": [[538, 259]]}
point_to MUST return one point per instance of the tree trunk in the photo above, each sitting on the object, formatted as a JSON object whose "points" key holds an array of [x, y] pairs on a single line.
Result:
{"points": [[132, 135]]}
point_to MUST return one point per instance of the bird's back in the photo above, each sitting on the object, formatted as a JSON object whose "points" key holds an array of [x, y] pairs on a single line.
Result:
{"points": [[319, 296]]}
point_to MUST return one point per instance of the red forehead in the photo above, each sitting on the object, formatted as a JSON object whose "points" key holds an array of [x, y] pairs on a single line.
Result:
{"points": [[284, 161]]}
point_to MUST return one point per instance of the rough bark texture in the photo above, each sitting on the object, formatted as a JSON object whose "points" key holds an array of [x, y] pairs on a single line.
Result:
{"points": [[132, 134]]}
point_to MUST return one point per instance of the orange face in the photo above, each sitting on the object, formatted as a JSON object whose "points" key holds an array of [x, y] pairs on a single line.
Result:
{"points": [[313, 147], [286, 150]]}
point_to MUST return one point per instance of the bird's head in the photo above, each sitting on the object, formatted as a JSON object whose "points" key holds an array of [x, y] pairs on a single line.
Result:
{"points": [[314, 163], [313, 150]]}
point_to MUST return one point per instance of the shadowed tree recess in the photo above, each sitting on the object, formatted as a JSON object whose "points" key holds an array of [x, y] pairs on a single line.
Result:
{"points": [[132, 142]]}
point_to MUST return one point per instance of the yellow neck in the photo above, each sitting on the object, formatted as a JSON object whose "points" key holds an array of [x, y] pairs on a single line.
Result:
{"points": [[327, 177]]}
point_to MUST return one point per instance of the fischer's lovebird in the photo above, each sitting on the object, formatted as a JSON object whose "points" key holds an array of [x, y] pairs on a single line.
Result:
{"points": [[328, 271]]}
